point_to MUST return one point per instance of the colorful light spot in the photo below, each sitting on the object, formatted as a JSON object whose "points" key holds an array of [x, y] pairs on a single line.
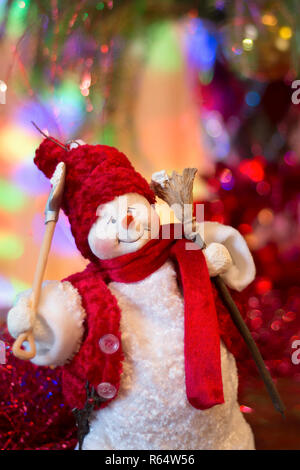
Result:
{"points": [[164, 53], [108, 135], [226, 179], [282, 44], [285, 32], [6, 292], [226, 176], [289, 316], [86, 81], [263, 188], [253, 169], [17, 143], [252, 98], [11, 246], [2, 8], [104, 48], [63, 243], [213, 127], [246, 409], [253, 302], [269, 19], [256, 323], [30, 180], [19, 286], [276, 325], [206, 76], [247, 44], [244, 229], [3, 86], [201, 45], [251, 31], [290, 158], [237, 50], [263, 286], [85, 92], [67, 105], [265, 217], [11, 198], [255, 313], [17, 18]]}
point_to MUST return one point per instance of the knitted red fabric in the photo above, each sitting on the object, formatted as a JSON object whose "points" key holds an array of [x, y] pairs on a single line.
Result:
{"points": [[201, 331], [95, 174], [103, 316]]}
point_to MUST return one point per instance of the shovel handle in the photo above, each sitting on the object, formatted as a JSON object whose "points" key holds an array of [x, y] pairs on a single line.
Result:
{"points": [[37, 284], [23, 354]]}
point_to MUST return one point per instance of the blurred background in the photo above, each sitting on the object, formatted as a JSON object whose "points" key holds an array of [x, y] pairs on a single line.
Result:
{"points": [[208, 84]]}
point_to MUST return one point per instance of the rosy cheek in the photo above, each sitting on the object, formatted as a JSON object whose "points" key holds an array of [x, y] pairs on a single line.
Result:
{"points": [[104, 246]]}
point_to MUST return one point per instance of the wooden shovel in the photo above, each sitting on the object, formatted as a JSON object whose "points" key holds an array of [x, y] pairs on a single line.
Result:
{"points": [[51, 217]]}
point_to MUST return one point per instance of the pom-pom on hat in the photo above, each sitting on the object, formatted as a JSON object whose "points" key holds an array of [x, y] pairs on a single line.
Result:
{"points": [[95, 174]]}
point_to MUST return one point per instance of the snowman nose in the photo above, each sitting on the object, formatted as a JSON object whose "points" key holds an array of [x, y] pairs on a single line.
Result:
{"points": [[127, 221]]}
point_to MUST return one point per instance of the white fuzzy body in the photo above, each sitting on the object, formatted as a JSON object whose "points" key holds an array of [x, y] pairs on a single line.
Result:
{"points": [[151, 410]]}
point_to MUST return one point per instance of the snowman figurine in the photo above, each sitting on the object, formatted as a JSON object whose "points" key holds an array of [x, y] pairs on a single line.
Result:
{"points": [[140, 323]]}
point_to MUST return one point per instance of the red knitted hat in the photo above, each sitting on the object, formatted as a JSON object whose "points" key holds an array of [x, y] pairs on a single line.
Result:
{"points": [[95, 174]]}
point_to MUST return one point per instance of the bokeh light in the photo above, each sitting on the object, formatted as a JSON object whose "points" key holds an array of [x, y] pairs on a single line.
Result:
{"points": [[252, 98], [11, 246], [12, 198]]}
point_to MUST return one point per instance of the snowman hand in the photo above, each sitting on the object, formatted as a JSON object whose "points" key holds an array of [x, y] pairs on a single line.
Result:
{"points": [[218, 259], [20, 316], [58, 325]]}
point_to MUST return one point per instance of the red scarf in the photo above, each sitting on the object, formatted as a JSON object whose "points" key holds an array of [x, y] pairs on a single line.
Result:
{"points": [[201, 330]]}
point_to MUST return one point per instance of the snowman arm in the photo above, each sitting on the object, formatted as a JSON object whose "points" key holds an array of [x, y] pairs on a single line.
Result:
{"points": [[58, 328], [240, 270]]}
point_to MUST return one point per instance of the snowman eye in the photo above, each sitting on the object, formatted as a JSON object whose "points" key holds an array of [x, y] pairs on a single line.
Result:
{"points": [[112, 220]]}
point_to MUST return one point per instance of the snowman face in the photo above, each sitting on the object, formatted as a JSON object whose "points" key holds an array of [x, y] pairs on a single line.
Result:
{"points": [[123, 226]]}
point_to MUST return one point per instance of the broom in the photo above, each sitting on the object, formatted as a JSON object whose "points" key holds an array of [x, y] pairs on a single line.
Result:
{"points": [[177, 192]]}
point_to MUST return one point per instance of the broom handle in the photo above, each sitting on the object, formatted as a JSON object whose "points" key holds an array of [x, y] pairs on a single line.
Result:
{"points": [[35, 297], [245, 333]]}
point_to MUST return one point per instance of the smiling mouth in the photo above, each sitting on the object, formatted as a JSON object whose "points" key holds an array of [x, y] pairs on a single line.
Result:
{"points": [[129, 241], [136, 240]]}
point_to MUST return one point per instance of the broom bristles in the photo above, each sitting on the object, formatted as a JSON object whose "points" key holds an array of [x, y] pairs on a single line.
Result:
{"points": [[177, 191]]}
